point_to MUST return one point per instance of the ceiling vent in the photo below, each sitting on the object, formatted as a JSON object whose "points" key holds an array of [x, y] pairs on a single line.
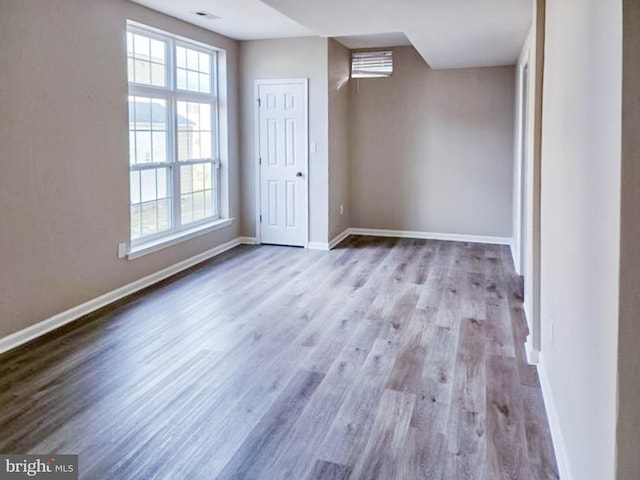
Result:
{"points": [[207, 15]]}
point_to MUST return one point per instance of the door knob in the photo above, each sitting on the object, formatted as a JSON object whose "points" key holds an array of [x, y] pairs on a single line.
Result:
{"points": [[299, 174]]}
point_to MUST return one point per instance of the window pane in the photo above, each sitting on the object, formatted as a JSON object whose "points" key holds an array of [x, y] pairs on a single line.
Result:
{"points": [[143, 147], [186, 203], [134, 181], [130, 70], [181, 78], [181, 57], [208, 203], [186, 179], [162, 182], [147, 126], [192, 81], [141, 108], [164, 214], [141, 46], [205, 145], [205, 87], [205, 63], [205, 116], [142, 72], [192, 60], [183, 121], [198, 177], [148, 185], [195, 138], [158, 115], [157, 51], [184, 145], [136, 230], [132, 147], [157, 75], [193, 70], [198, 206], [149, 218], [129, 44], [207, 175], [147, 60], [159, 146]]}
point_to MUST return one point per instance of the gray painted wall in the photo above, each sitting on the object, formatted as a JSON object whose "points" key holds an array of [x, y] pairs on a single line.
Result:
{"points": [[63, 154], [339, 137], [433, 150], [287, 58], [580, 227]]}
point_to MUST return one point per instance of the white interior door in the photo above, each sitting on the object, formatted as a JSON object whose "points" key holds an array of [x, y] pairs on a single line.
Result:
{"points": [[282, 166]]}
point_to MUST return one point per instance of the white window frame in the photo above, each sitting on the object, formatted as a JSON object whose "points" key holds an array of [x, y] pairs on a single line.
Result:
{"points": [[172, 95]]}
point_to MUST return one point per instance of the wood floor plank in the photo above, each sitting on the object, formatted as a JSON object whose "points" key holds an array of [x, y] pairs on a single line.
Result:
{"points": [[384, 358], [499, 328], [353, 423], [329, 471], [433, 401], [294, 456], [467, 418], [507, 457], [383, 450], [423, 457], [542, 459], [272, 428]]}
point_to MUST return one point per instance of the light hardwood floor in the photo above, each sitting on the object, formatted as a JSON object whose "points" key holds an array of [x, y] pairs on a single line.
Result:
{"points": [[382, 359]]}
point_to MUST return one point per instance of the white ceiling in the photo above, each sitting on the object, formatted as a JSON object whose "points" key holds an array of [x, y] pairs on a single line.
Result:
{"points": [[395, 39], [239, 19], [447, 33]]}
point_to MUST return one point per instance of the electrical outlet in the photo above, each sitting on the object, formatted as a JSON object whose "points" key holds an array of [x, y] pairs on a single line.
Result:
{"points": [[122, 250], [341, 209]]}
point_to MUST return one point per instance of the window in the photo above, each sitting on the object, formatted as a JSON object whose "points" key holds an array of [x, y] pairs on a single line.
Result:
{"points": [[174, 154], [371, 64]]}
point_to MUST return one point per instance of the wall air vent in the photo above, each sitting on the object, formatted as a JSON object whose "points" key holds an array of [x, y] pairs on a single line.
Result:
{"points": [[207, 15]]}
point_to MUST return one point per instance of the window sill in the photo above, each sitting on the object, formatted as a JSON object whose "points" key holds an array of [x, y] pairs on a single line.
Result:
{"points": [[178, 237]]}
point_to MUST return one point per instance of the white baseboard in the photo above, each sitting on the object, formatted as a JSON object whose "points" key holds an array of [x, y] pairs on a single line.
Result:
{"points": [[318, 246], [559, 445], [247, 240], [515, 257], [27, 334], [453, 237], [533, 355], [338, 238]]}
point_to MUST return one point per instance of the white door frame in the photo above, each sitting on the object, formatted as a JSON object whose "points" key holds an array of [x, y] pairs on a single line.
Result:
{"points": [[522, 156], [256, 95]]}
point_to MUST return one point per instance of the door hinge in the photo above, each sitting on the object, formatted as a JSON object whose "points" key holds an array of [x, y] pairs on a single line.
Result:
{"points": [[260, 161], [259, 102], [260, 218]]}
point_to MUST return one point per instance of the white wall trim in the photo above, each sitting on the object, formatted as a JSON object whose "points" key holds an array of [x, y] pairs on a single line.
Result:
{"points": [[559, 444], [247, 241], [27, 334], [339, 238], [515, 256], [453, 237], [318, 246], [533, 355]]}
